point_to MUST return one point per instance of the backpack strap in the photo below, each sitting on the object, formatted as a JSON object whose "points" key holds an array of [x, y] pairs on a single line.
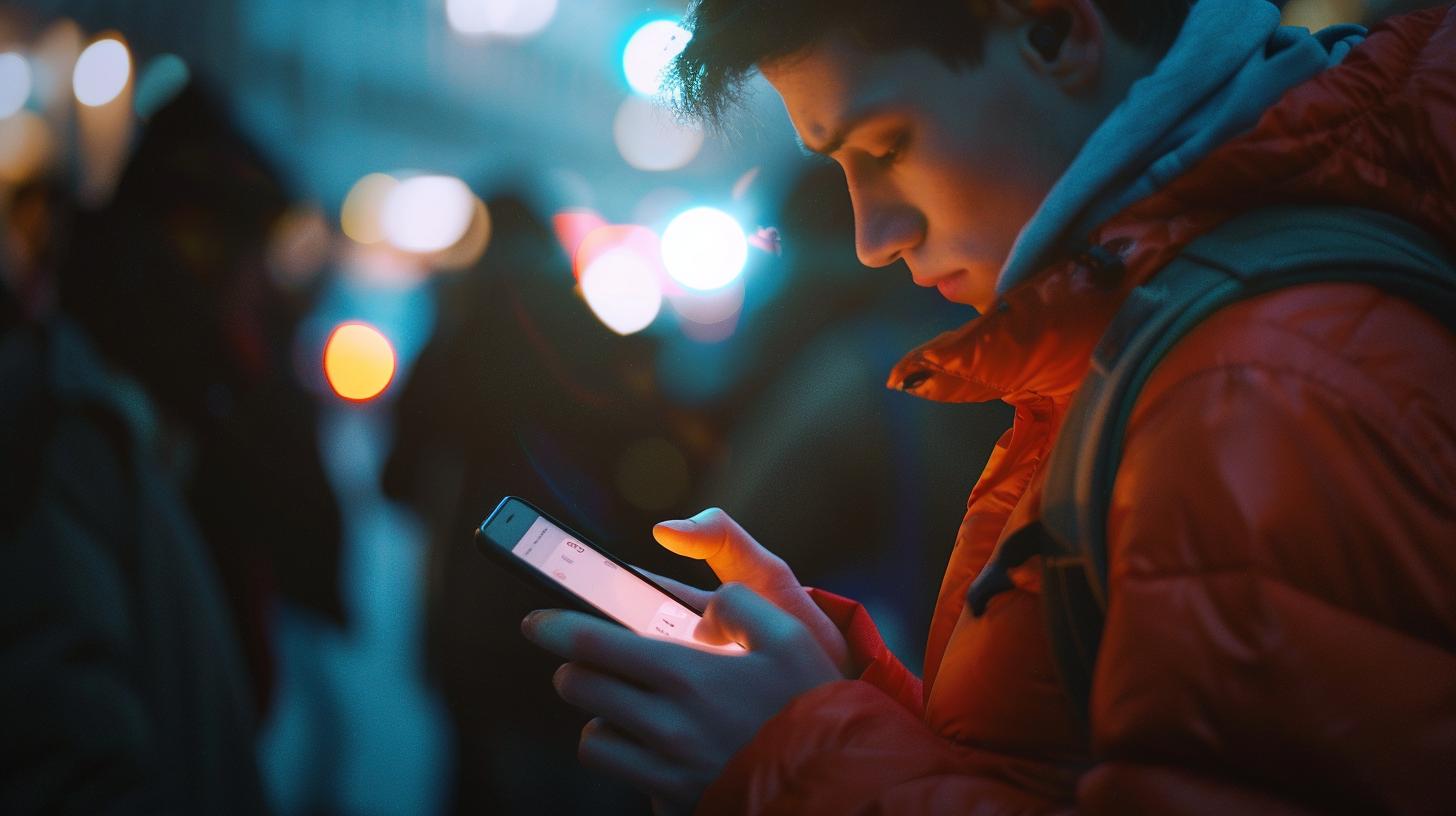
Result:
{"points": [[1256, 253]]}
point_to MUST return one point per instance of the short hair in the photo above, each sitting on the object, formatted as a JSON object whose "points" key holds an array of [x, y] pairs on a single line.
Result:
{"points": [[731, 37]]}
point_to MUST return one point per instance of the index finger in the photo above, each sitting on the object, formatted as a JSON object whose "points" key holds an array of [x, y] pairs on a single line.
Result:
{"points": [[608, 646]]}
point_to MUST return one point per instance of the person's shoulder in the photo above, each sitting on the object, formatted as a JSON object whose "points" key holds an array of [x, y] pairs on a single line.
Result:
{"points": [[1295, 392], [1299, 437], [1360, 346]]}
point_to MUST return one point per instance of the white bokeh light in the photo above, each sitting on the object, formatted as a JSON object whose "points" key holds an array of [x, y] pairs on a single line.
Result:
{"points": [[649, 52], [427, 213], [622, 289], [704, 249], [504, 18], [14, 83], [649, 139], [101, 72], [363, 209]]}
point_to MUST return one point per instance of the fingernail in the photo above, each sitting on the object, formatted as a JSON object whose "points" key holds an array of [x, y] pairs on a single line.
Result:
{"points": [[678, 525], [528, 623]]}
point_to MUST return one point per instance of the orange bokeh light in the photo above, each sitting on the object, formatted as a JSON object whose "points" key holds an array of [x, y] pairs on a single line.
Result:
{"points": [[358, 361]]}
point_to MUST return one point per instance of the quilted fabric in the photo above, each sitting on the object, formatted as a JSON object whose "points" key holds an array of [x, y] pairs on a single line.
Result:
{"points": [[1282, 631]]}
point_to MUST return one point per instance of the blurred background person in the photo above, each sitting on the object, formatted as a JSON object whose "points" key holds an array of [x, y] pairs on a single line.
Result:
{"points": [[162, 477]]}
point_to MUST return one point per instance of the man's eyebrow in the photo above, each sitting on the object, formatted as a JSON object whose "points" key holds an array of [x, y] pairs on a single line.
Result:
{"points": [[842, 132]]}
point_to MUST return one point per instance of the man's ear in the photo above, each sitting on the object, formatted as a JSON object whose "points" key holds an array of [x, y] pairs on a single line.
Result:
{"points": [[1062, 39]]}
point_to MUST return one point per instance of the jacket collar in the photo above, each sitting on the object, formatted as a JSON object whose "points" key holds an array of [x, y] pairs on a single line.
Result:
{"points": [[1035, 343]]}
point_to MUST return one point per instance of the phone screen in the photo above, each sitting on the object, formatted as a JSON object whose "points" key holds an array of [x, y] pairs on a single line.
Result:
{"points": [[605, 584]]}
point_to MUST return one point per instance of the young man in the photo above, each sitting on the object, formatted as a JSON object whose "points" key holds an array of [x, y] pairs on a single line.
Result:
{"points": [[1281, 635]]}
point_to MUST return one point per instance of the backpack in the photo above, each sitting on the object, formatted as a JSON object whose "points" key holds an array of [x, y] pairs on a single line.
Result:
{"points": [[1250, 255]]}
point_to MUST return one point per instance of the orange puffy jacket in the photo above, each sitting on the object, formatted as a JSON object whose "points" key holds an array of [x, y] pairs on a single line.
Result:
{"points": [[1281, 636]]}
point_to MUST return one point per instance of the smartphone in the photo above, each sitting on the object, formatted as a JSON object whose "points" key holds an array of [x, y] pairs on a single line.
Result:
{"points": [[548, 554]]}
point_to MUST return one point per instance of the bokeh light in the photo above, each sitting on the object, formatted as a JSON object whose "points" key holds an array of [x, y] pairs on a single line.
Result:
{"points": [[358, 361], [26, 147], [503, 18], [360, 215], [649, 139], [767, 239], [101, 72], [711, 332], [709, 317], [427, 213], [745, 183], [159, 83], [572, 226], [648, 53], [704, 249], [381, 268], [709, 308], [471, 246], [52, 58], [635, 237], [298, 246], [14, 83], [623, 289]]}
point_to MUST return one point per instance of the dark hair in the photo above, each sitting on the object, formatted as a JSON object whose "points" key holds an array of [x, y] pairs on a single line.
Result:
{"points": [[731, 37]]}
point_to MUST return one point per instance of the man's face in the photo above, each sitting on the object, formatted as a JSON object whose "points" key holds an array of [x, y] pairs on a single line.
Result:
{"points": [[944, 166]]}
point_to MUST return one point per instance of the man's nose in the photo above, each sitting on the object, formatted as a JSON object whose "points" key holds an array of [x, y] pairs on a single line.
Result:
{"points": [[885, 230]]}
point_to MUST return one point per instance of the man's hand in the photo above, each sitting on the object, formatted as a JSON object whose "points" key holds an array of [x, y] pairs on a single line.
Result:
{"points": [[736, 557], [669, 715]]}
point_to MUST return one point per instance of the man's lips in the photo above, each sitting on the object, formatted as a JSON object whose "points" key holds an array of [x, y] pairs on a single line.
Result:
{"points": [[936, 280]]}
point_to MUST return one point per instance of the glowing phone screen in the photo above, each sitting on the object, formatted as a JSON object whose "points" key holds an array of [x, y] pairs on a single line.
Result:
{"points": [[598, 580]]}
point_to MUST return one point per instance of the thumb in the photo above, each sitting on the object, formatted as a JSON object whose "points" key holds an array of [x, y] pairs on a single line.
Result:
{"points": [[737, 614], [732, 553]]}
